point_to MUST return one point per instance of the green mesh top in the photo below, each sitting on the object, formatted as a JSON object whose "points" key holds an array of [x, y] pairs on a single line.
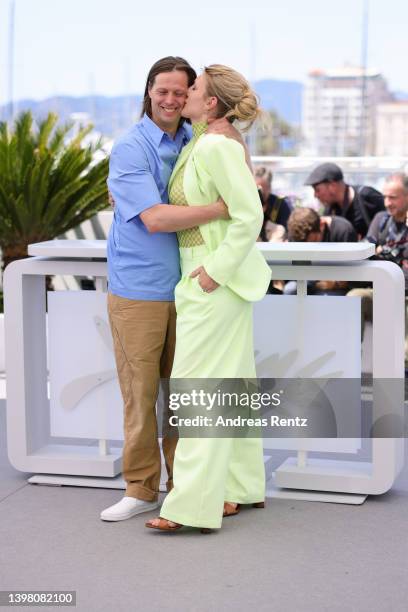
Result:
{"points": [[188, 237]]}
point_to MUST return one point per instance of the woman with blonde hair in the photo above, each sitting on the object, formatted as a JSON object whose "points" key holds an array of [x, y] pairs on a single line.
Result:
{"points": [[222, 274]]}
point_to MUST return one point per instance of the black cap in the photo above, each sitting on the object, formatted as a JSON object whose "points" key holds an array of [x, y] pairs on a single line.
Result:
{"points": [[324, 174]]}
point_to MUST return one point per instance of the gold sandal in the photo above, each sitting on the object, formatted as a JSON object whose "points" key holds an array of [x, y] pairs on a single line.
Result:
{"points": [[164, 525], [231, 509]]}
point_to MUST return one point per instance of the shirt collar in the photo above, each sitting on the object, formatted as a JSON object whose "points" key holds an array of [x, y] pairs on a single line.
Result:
{"points": [[157, 134]]}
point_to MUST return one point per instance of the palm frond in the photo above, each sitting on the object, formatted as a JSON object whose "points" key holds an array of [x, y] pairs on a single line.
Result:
{"points": [[45, 128], [48, 183]]}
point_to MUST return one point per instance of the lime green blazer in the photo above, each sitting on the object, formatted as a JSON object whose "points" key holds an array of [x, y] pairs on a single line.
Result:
{"points": [[216, 166]]}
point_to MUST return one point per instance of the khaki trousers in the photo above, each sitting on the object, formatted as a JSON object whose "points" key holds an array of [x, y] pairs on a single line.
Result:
{"points": [[144, 335]]}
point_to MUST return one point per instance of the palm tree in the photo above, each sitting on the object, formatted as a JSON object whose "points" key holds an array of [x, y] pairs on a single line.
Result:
{"points": [[48, 185]]}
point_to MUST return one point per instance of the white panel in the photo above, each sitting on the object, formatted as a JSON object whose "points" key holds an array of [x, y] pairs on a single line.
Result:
{"points": [[310, 337], [85, 399]]}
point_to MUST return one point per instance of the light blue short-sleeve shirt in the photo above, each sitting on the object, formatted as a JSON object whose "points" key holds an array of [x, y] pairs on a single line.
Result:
{"points": [[142, 266]]}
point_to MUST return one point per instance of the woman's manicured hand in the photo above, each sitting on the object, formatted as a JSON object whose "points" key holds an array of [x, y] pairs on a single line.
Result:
{"points": [[207, 284]]}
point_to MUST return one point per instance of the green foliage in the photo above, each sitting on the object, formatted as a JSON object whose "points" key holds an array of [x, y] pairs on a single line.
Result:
{"points": [[48, 184]]}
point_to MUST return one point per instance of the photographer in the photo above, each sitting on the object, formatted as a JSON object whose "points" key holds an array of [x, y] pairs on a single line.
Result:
{"points": [[276, 209], [389, 232], [305, 225], [357, 203]]}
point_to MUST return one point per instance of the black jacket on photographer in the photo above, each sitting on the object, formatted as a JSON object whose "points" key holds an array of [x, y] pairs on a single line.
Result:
{"points": [[393, 237], [361, 210], [276, 209]]}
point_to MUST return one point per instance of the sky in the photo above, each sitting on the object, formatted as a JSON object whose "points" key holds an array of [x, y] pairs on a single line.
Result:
{"points": [[89, 47]]}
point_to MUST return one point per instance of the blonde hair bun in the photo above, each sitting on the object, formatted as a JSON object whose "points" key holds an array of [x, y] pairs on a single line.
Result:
{"points": [[236, 98], [247, 109]]}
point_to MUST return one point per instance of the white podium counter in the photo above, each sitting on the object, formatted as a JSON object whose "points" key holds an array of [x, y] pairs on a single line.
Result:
{"points": [[41, 442]]}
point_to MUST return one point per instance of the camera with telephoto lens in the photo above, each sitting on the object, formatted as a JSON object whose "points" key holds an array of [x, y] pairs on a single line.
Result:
{"points": [[395, 254]]}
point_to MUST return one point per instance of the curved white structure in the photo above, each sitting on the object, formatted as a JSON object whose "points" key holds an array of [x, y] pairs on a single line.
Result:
{"points": [[33, 448]]}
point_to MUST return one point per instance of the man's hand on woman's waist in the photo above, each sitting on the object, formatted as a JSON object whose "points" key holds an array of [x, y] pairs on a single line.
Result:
{"points": [[224, 127]]}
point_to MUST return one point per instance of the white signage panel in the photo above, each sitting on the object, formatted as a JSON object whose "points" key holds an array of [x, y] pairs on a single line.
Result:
{"points": [[85, 399], [310, 337]]}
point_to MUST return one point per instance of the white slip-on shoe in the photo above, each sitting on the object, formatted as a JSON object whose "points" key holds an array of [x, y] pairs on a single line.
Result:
{"points": [[126, 508]]}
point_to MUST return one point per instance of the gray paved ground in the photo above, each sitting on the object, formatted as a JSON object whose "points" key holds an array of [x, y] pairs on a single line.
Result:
{"points": [[292, 556]]}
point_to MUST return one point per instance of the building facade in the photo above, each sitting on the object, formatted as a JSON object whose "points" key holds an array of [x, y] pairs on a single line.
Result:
{"points": [[392, 129], [339, 111]]}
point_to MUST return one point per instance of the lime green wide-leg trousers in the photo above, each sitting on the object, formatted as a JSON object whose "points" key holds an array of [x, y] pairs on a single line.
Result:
{"points": [[214, 339]]}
